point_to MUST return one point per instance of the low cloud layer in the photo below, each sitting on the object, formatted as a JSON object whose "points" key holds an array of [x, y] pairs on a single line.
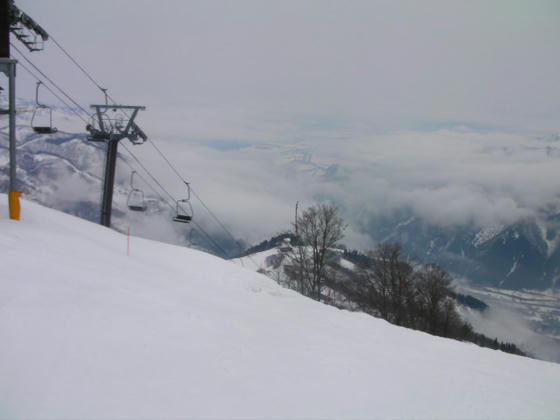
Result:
{"points": [[509, 326], [449, 176], [252, 170]]}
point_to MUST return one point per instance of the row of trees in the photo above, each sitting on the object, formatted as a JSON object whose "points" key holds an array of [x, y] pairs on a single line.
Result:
{"points": [[386, 284]]}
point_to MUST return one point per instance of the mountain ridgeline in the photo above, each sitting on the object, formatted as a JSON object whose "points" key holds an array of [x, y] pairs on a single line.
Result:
{"points": [[523, 255]]}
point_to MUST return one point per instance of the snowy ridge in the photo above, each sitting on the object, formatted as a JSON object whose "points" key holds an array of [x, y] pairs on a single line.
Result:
{"points": [[486, 235], [552, 241], [89, 332]]}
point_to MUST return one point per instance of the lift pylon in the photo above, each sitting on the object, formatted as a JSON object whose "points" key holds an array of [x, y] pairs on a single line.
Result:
{"points": [[111, 124], [8, 67]]}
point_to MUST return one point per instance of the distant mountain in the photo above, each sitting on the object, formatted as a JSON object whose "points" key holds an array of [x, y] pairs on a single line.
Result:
{"points": [[525, 254], [521, 255]]}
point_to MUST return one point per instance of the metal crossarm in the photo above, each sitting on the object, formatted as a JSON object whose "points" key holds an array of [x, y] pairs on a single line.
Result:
{"points": [[26, 29]]}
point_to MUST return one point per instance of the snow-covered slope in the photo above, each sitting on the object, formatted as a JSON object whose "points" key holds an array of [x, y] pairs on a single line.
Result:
{"points": [[89, 332], [530, 319]]}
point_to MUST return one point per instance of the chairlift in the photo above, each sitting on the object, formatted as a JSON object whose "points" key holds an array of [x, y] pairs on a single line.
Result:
{"points": [[41, 111], [135, 201], [181, 215]]}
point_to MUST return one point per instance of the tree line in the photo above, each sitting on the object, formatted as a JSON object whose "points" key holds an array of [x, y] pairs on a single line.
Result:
{"points": [[385, 283]]}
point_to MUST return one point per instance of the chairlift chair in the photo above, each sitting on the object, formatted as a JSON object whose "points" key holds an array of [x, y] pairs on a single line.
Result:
{"points": [[181, 215], [135, 201], [40, 111]]}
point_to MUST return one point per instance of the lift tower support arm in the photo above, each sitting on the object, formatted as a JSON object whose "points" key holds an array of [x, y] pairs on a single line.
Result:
{"points": [[111, 134]]}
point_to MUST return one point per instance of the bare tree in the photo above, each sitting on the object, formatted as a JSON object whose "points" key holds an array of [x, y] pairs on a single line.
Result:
{"points": [[391, 278], [317, 230], [384, 286], [452, 324], [433, 287]]}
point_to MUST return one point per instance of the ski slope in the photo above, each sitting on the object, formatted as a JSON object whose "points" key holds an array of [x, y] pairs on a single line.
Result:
{"points": [[168, 332]]}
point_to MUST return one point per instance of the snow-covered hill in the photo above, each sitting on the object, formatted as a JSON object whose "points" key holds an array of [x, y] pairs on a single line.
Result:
{"points": [[530, 319], [522, 255], [89, 332]]}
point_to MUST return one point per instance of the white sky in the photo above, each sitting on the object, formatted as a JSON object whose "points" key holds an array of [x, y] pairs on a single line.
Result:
{"points": [[390, 64], [421, 103]]}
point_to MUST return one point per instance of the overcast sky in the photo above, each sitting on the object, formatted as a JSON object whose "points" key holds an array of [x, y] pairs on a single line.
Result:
{"points": [[388, 63], [416, 101]]}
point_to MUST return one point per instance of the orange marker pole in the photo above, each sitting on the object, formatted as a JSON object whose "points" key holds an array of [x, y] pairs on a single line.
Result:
{"points": [[13, 201]]}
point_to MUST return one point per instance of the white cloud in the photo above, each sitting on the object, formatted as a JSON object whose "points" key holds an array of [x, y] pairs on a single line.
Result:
{"points": [[510, 327], [449, 176]]}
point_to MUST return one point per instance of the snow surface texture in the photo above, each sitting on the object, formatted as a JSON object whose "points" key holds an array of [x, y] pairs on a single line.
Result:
{"points": [[89, 332]]}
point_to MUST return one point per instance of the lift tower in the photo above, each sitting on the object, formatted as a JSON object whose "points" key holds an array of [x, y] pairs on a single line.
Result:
{"points": [[112, 124], [26, 30]]}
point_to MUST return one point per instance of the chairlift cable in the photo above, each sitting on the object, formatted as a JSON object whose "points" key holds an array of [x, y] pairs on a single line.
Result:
{"points": [[50, 80], [163, 199], [214, 243], [72, 109], [76, 63], [82, 69], [224, 252], [196, 195], [88, 75]]}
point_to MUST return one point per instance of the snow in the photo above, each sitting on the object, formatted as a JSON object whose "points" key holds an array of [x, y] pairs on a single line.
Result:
{"points": [[551, 243], [347, 264], [486, 235], [513, 268], [256, 261], [528, 318], [89, 332], [405, 223]]}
